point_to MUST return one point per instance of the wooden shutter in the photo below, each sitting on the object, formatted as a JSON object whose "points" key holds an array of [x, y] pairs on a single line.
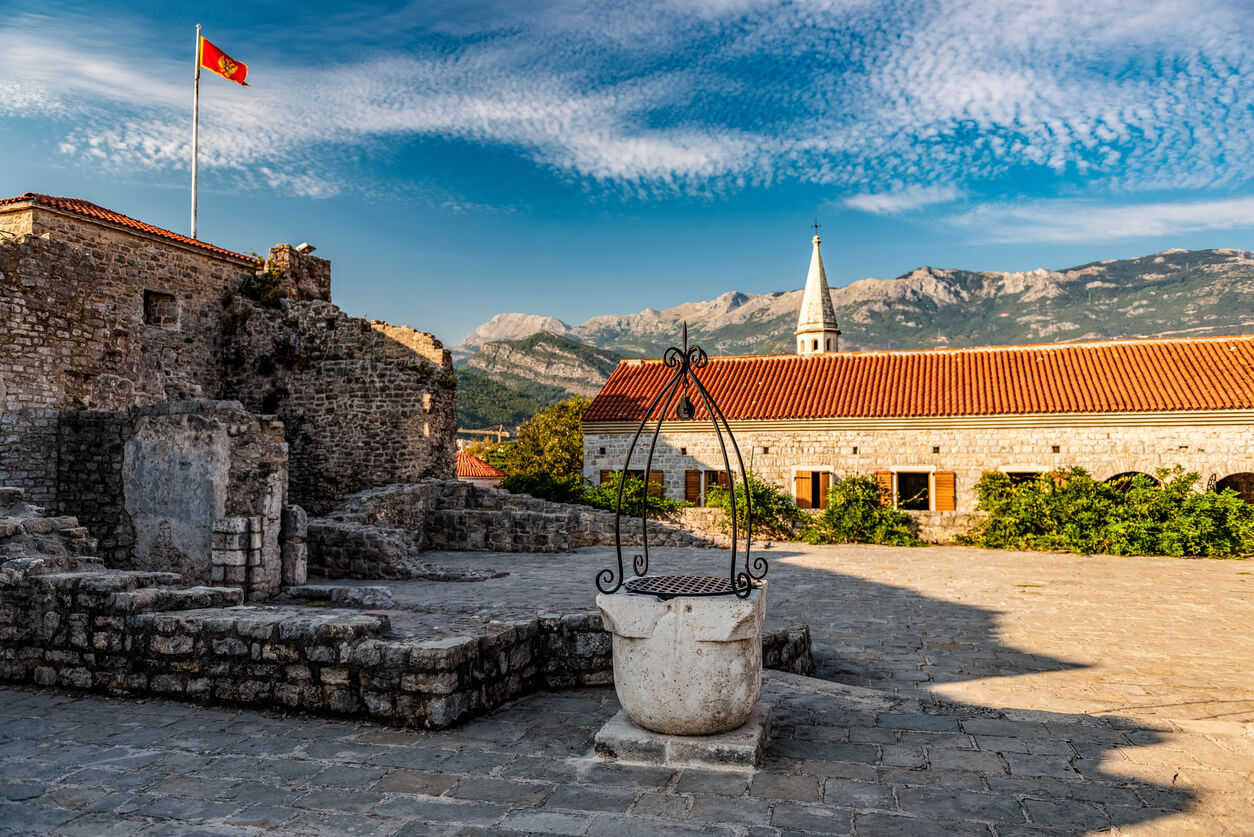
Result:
{"points": [[885, 479], [607, 477], [825, 485], [692, 487], [945, 499], [804, 500], [713, 478], [657, 484]]}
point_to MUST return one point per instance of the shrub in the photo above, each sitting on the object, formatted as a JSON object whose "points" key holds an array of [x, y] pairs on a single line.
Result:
{"points": [[605, 496], [1068, 510], [856, 513], [774, 511], [572, 489]]}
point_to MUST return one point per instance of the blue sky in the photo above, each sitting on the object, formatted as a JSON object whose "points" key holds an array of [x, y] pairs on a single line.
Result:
{"points": [[463, 158]]}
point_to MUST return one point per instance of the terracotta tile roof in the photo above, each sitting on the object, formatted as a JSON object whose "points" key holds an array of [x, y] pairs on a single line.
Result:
{"points": [[472, 467], [1206, 373], [90, 210]]}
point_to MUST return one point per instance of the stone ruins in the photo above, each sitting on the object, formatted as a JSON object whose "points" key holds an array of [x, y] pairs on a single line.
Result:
{"points": [[188, 433]]}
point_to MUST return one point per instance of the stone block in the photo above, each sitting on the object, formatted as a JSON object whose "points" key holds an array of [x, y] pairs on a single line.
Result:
{"points": [[739, 749]]}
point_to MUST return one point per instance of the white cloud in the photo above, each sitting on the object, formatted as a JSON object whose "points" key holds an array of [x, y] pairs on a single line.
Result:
{"points": [[882, 100], [1077, 220], [902, 200]]}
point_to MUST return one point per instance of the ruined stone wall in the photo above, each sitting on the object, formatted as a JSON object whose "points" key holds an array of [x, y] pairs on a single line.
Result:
{"points": [[131, 633], [1104, 445], [193, 487], [374, 533], [364, 403], [96, 317]]}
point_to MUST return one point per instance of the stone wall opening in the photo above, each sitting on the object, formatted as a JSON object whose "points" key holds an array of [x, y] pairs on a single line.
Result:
{"points": [[161, 310], [1242, 483]]}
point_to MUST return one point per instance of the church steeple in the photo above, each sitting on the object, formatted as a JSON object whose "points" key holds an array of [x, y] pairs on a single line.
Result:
{"points": [[816, 325]]}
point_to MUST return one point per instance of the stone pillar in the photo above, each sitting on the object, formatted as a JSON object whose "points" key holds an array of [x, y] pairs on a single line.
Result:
{"points": [[229, 559], [691, 665], [294, 549]]}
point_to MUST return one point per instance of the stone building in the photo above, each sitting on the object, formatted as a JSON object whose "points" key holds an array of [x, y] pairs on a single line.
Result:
{"points": [[144, 393], [929, 424]]}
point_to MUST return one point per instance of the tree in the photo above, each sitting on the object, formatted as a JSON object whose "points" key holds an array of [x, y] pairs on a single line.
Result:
{"points": [[550, 442]]}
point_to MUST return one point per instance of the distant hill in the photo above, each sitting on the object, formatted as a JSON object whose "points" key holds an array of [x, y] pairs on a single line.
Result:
{"points": [[1173, 293]]}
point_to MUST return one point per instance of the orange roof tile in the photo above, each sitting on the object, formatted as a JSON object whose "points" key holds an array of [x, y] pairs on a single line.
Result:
{"points": [[472, 467], [90, 210], [1201, 373]]}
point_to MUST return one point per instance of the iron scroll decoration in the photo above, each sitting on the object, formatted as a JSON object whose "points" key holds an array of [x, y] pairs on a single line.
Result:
{"points": [[743, 574]]}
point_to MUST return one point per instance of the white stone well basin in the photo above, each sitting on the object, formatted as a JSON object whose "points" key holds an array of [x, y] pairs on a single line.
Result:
{"points": [[691, 665]]}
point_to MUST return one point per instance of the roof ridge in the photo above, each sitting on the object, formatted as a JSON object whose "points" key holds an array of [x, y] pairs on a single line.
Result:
{"points": [[936, 350], [87, 209]]}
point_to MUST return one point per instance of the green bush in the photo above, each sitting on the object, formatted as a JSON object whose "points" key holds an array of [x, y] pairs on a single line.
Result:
{"points": [[605, 496], [774, 511], [856, 513], [572, 489], [561, 488], [1068, 510]]}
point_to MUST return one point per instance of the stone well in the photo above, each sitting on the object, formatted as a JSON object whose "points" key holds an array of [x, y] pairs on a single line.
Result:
{"points": [[690, 665]]}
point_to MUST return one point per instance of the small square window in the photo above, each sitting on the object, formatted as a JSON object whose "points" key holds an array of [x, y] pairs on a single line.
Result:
{"points": [[855, 450], [935, 448], [161, 310], [766, 449], [683, 451], [601, 451], [1057, 449]]}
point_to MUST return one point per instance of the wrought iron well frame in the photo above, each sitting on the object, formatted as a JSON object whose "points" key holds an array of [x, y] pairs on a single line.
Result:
{"points": [[743, 574]]}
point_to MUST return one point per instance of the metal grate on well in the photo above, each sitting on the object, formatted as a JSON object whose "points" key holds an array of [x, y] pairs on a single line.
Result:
{"points": [[674, 586]]}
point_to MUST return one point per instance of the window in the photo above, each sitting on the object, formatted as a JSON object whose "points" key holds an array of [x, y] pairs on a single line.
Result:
{"points": [[811, 489], [829, 344], [657, 482], [683, 451], [815, 347], [913, 491], [161, 310], [935, 448], [1020, 477], [601, 451], [1057, 449], [855, 450]]}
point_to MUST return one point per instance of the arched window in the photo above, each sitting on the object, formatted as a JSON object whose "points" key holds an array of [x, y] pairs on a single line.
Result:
{"points": [[829, 344], [1242, 483], [816, 345]]}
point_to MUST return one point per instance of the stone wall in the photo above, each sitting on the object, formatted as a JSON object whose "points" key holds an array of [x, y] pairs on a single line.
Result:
{"points": [[194, 487], [74, 296], [373, 533], [1104, 445], [131, 633], [364, 403]]}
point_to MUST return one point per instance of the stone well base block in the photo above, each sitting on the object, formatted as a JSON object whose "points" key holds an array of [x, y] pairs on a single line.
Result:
{"points": [[740, 749]]}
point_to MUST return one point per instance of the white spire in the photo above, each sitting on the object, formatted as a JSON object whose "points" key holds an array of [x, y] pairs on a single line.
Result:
{"points": [[816, 323]]}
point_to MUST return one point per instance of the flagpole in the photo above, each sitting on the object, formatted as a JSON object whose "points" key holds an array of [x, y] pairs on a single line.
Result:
{"points": [[195, 128]]}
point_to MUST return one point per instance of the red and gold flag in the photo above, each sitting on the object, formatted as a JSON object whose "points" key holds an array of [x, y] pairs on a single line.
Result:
{"points": [[214, 59]]}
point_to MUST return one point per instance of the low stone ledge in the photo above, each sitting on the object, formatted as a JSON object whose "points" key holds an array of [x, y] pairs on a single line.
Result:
{"points": [[106, 632]]}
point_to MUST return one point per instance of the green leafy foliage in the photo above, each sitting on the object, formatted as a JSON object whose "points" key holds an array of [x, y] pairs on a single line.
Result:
{"points": [[856, 513], [572, 489], [265, 285], [550, 442], [1070, 511], [559, 488], [775, 513], [605, 496]]}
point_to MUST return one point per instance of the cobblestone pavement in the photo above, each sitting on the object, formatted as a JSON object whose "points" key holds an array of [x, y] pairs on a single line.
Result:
{"points": [[974, 692]]}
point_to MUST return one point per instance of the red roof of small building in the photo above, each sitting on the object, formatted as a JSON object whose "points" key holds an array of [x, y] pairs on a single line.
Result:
{"points": [[77, 206], [472, 467], [1200, 373]]}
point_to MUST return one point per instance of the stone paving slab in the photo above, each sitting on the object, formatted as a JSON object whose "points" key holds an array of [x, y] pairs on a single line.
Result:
{"points": [[967, 692]]}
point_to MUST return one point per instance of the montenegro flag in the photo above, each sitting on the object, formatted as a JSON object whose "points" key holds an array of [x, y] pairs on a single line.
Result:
{"points": [[214, 59]]}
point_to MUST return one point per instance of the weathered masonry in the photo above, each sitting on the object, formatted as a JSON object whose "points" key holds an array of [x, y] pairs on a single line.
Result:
{"points": [[144, 393], [928, 424]]}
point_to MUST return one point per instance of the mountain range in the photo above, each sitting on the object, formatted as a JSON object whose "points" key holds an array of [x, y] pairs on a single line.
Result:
{"points": [[1173, 293]]}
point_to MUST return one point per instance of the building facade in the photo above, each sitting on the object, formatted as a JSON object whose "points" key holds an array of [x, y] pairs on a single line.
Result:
{"points": [[928, 424]]}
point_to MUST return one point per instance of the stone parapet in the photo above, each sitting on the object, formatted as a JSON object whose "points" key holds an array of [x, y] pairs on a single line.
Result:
{"points": [[69, 623]]}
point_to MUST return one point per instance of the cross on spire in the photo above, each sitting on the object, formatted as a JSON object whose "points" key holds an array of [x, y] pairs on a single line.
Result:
{"points": [[816, 226]]}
